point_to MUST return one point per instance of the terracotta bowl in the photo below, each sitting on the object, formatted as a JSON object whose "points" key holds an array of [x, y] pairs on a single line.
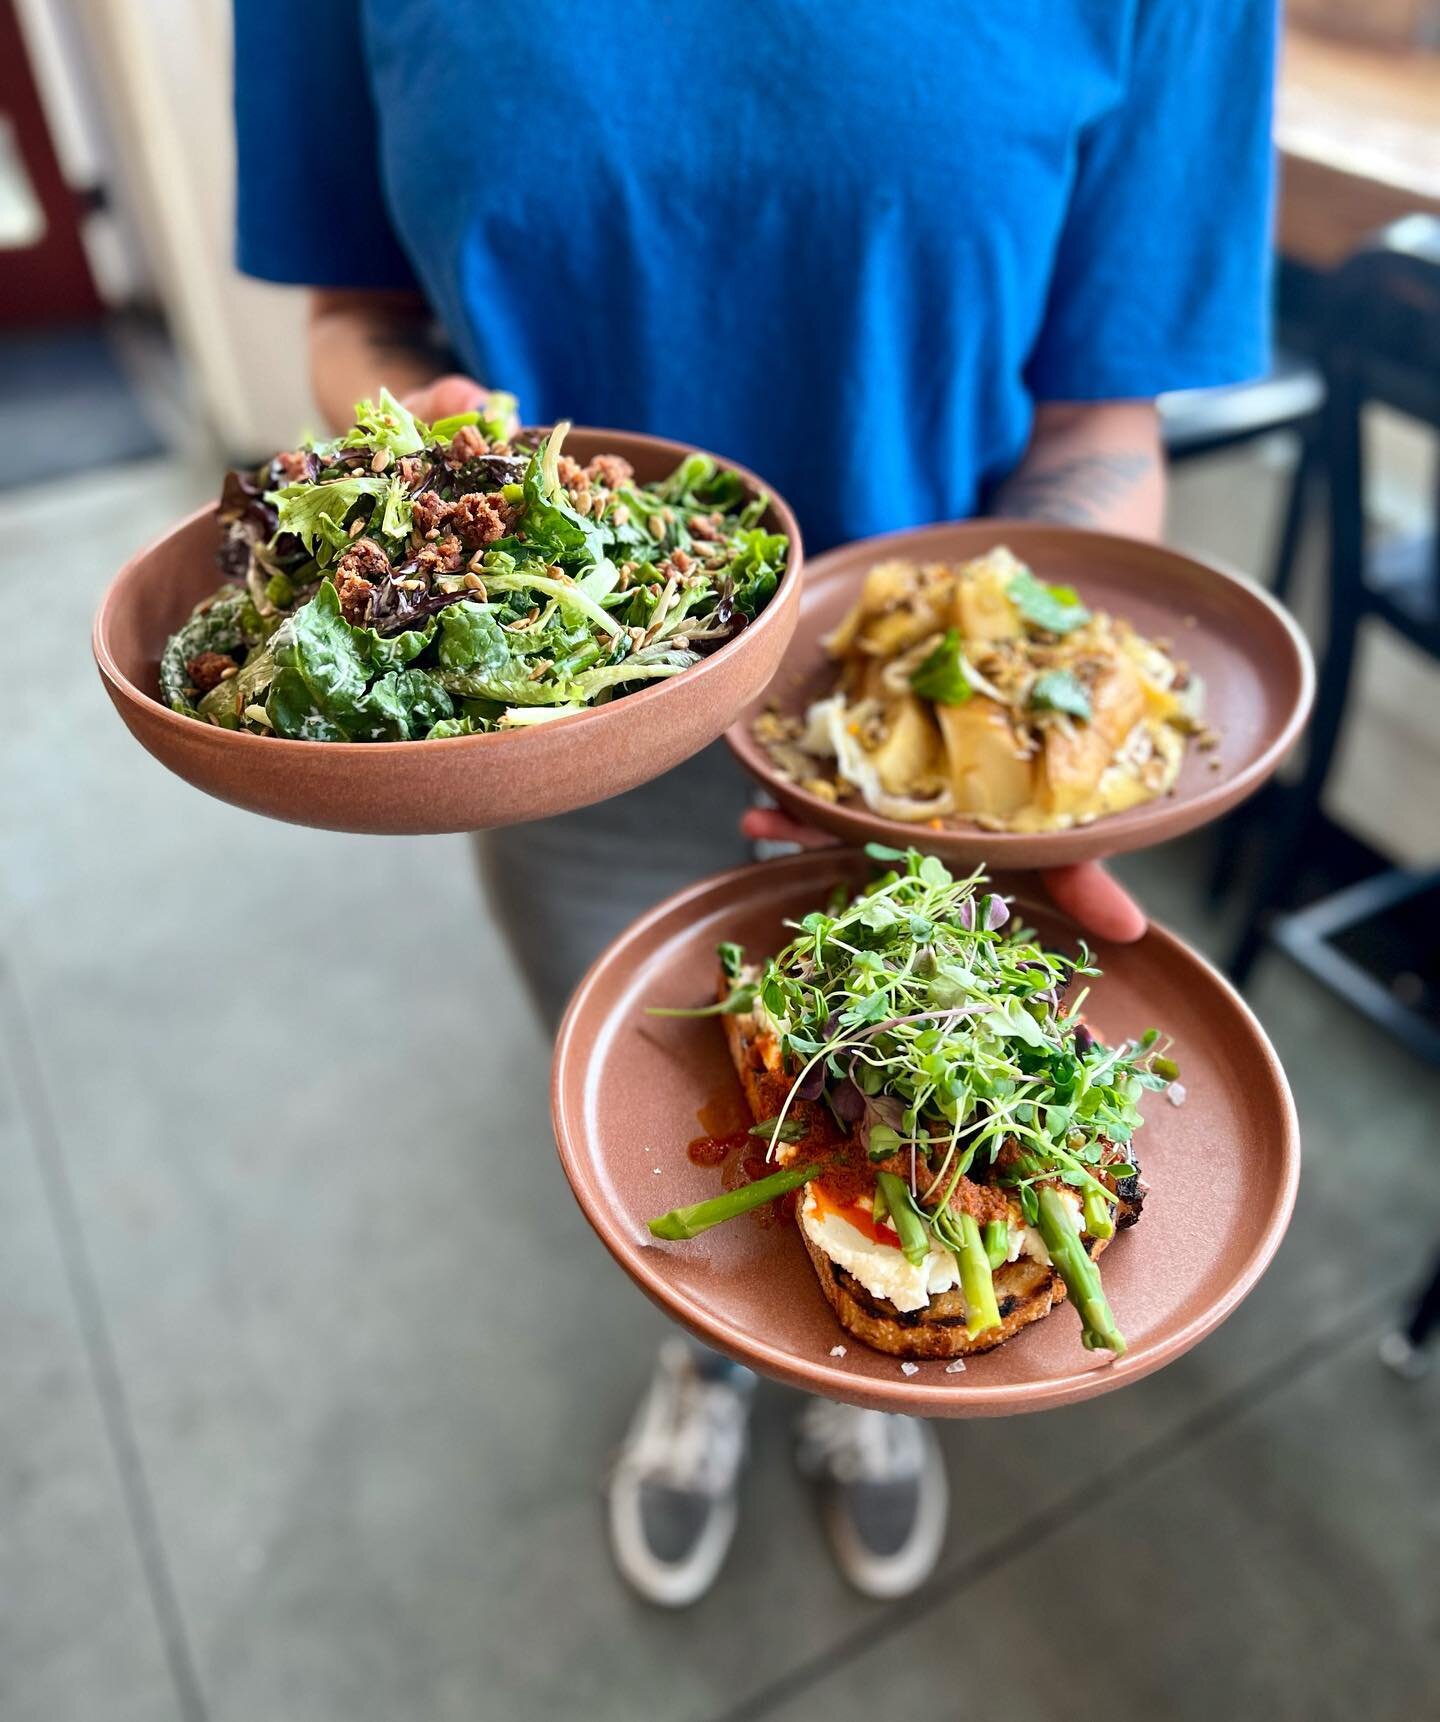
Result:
{"points": [[466, 783], [1259, 682], [630, 1091]]}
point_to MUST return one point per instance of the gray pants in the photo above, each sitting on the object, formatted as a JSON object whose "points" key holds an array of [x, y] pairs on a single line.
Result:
{"points": [[561, 889]]}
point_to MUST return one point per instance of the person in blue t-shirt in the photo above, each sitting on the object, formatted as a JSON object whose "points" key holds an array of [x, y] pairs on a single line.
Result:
{"points": [[909, 263]]}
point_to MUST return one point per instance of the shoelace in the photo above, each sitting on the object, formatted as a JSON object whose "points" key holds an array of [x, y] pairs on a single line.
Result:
{"points": [[690, 1433], [855, 1446]]}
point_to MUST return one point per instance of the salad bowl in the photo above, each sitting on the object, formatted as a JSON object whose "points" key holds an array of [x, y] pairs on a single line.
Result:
{"points": [[454, 783]]}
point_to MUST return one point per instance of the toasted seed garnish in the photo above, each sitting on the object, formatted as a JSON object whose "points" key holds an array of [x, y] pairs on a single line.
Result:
{"points": [[258, 714], [380, 460], [475, 583]]}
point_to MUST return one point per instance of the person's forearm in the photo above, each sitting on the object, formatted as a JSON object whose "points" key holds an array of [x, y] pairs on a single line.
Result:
{"points": [[1098, 465], [359, 341]]}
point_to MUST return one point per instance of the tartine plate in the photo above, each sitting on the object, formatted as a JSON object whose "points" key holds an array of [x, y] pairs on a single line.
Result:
{"points": [[466, 783], [1257, 670], [630, 1091]]}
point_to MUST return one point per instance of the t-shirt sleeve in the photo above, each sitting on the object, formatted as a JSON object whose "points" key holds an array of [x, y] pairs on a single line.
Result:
{"points": [[1162, 275], [309, 208]]}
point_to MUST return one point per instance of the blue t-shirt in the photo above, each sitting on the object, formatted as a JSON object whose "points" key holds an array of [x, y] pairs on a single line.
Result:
{"points": [[848, 245]]}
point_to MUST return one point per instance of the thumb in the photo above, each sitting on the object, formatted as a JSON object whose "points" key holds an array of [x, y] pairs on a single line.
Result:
{"points": [[446, 395], [1101, 905]]}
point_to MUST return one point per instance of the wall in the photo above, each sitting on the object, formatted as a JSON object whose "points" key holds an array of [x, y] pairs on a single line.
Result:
{"points": [[163, 71]]}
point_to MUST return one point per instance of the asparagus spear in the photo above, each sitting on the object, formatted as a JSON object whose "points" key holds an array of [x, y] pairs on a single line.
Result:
{"points": [[1099, 1218], [700, 1216], [981, 1310], [914, 1240], [997, 1243], [1080, 1274]]}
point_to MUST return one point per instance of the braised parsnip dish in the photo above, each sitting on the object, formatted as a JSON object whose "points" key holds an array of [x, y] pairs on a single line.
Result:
{"points": [[980, 692]]}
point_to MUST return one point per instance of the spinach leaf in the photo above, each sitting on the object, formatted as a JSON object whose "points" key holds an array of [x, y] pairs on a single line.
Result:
{"points": [[1056, 609], [323, 688], [230, 622], [477, 663], [940, 676], [408, 703], [1061, 691], [321, 674], [470, 638]]}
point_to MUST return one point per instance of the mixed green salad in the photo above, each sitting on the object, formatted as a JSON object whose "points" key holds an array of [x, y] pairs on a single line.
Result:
{"points": [[408, 581]]}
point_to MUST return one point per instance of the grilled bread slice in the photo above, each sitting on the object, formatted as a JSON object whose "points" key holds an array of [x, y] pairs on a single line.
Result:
{"points": [[1025, 1290]]}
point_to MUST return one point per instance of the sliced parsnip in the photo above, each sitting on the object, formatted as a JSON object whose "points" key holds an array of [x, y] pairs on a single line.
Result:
{"points": [[987, 771], [909, 760]]}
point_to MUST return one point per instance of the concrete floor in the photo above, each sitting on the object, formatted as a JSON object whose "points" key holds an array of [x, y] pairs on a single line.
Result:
{"points": [[291, 1428]]}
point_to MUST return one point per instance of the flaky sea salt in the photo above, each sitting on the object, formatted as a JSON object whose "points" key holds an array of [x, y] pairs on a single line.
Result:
{"points": [[956, 1368], [1175, 1093], [909, 1368], [837, 1351]]}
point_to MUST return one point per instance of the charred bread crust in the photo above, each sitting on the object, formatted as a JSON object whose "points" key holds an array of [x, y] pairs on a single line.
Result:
{"points": [[1026, 1291]]}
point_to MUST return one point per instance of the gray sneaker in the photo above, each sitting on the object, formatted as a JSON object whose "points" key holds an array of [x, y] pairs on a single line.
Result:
{"points": [[883, 1494], [671, 1494]]}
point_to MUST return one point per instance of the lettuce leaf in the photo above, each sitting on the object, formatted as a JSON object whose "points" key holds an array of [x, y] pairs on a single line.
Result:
{"points": [[317, 513], [757, 567]]}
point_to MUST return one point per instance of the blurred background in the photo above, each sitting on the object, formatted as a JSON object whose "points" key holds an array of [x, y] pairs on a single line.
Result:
{"points": [[310, 1376]]}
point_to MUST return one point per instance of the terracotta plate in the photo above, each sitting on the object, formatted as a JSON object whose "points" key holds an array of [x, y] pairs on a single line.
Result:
{"points": [[463, 784], [627, 1090], [1258, 681]]}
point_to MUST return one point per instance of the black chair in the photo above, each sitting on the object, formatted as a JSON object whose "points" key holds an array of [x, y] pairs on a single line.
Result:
{"points": [[1199, 422], [1381, 344]]}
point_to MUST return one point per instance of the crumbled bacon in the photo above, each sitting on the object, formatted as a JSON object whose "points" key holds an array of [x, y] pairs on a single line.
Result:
{"points": [[481, 520], [430, 513], [208, 670], [611, 470], [294, 465], [466, 444], [445, 556], [356, 573]]}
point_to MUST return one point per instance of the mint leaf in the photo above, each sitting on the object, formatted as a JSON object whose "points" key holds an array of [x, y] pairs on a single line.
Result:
{"points": [[1056, 609], [941, 676], [1061, 691]]}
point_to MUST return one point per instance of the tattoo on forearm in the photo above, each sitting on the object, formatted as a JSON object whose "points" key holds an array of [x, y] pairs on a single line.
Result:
{"points": [[1075, 492]]}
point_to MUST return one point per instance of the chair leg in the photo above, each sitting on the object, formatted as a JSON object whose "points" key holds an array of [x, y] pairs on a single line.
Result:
{"points": [[1292, 526], [1404, 1348], [1234, 835], [1294, 817]]}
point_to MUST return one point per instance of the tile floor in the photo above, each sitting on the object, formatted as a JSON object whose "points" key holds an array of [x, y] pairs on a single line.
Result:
{"points": [[266, 1450]]}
